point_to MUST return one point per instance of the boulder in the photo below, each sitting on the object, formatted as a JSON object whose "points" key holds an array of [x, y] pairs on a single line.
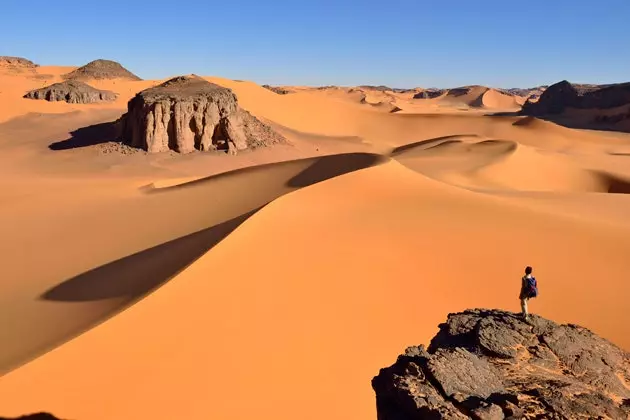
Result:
{"points": [[73, 92], [99, 70], [491, 364], [188, 113]]}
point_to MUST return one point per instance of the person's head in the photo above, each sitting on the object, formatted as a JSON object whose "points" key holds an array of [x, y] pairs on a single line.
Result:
{"points": [[528, 270]]}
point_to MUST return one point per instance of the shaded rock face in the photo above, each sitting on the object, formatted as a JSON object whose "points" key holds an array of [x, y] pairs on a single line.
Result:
{"points": [[486, 364], [101, 69], [73, 92], [188, 113], [556, 98]]}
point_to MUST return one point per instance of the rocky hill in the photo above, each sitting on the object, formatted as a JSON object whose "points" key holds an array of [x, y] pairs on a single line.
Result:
{"points": [[101, 69], [188, 113], [16, 62], [17, 66], [491, 364], [73, 92]]}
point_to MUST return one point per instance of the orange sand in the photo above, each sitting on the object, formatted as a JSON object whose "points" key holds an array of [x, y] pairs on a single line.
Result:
{"points": [[237, 287]]}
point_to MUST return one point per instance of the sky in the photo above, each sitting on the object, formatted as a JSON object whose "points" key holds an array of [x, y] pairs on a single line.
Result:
{"points": [[398, 43]]}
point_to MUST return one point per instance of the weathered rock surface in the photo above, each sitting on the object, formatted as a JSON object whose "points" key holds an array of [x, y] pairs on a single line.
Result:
{"points": [[101, 69], [490, 364], [188, 113], [73, 92], [562, 95]]}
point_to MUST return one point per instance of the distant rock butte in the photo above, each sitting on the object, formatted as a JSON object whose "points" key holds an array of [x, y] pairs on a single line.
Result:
{"points": [[188, 113], [101, 69], [491, 364], [73, 92]]}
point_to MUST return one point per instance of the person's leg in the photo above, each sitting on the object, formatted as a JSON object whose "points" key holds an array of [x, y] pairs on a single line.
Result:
{"points": [[524, 307]]}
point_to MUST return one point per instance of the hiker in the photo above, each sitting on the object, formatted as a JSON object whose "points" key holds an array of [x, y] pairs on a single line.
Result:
{"points": [[529, 289]]}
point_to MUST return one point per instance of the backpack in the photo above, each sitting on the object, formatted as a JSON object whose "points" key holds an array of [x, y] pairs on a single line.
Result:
{"points": [[532, 288]]}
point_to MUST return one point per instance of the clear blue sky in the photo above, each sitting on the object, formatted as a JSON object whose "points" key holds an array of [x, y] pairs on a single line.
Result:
{"points": [[400, 43]]}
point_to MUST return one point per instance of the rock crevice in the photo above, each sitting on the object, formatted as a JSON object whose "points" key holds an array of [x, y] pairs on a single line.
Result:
{"points": [[486, 364]]}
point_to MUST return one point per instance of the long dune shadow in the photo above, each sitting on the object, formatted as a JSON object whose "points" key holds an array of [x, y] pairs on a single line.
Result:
{"points": [[137, 274], [88, 136], [328, 167], [35, 416], [133, 277], [322, 169]]}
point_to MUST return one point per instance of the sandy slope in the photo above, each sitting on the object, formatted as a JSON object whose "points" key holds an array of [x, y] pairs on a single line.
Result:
{"points": [[263, 291]]}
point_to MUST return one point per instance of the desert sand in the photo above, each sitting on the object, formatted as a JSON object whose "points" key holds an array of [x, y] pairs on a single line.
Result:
{"points": [[275, 283]]}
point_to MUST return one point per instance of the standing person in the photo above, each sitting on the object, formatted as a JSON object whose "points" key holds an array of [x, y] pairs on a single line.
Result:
{"points": [[529, 289]]}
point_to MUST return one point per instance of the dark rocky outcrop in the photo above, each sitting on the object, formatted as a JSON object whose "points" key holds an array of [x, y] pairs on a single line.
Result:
{"points": [[276, 89], [562, 95], [583, 106], [73, 92], [429, 94], [188, 113], [101, 69], [533, 93], [491, 364]]}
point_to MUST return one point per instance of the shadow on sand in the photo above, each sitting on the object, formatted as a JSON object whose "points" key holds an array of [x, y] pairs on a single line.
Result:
{"points": [[88, 136], [137, 274], [332, 166], [568, 122], [36, 416]]}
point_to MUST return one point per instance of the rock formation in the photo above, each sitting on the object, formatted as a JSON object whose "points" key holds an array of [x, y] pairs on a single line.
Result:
{"points": [[16, 62], [276, 89], [101, 69], [73, 92], [429, 94], [531, 93], [490, 364], [562, 95], [188, 113]]}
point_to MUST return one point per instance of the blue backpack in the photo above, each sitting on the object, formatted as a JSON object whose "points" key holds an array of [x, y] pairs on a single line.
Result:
{"points": [[532, 287]]}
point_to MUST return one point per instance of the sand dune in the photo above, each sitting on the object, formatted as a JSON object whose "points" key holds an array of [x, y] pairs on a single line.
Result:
{"points": [[205, 286]]}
